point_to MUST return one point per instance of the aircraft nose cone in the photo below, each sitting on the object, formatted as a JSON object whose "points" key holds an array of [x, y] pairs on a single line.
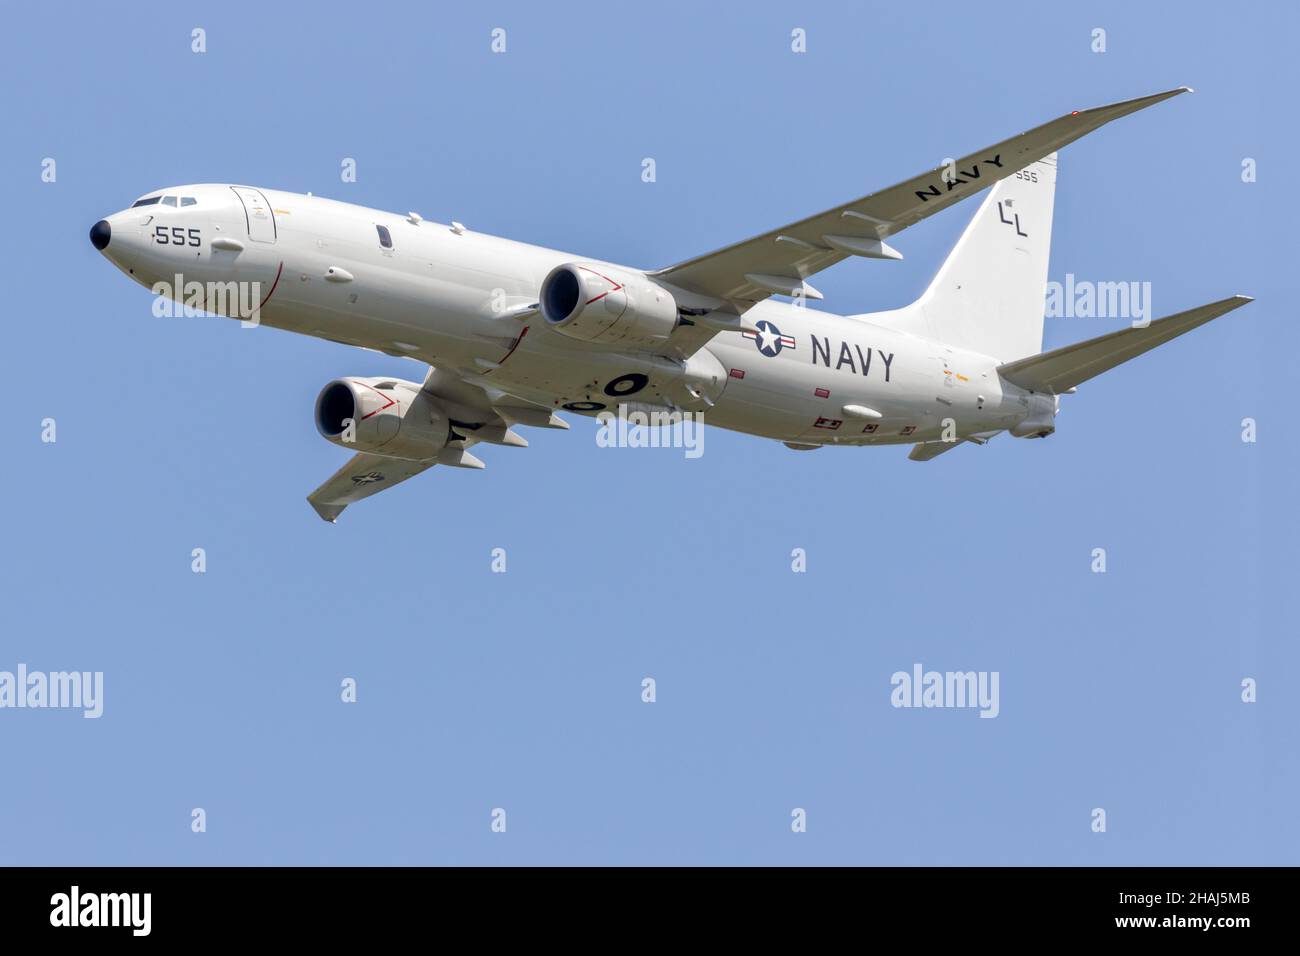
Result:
{"points": [[100, 233]]}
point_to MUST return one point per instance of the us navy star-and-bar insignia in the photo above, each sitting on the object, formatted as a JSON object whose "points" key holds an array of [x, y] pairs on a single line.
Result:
{"points": [[368, 478], [769, 339]]}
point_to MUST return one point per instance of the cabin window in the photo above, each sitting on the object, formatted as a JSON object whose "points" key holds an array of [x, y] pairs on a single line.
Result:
{"points": [[385, 238]]}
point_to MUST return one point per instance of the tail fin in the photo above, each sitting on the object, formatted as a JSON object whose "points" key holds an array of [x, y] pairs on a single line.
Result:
{"points": [[1062, 369], [989, 294]]}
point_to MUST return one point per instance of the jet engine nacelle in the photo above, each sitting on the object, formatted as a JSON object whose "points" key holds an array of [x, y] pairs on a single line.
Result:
{"points": [[382, 416], [606, 306], [1040, 420]]}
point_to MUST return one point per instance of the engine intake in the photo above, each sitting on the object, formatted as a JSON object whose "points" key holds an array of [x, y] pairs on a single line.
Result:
{"points": [[605, 306], [382, 416]]}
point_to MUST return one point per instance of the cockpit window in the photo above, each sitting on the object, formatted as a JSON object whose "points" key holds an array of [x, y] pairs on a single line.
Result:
{"points": [[145, 202], [385, 237], [188, 200], [169, 201]]}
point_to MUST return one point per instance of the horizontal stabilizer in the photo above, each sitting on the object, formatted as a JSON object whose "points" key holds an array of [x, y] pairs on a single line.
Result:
{"points": [[1061, 369]]}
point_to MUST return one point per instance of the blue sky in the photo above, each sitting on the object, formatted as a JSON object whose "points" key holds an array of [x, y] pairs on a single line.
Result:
{"points": [[522, 690]]}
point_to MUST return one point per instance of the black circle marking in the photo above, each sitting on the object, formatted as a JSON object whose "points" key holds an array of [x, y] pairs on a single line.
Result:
{"points": [[583, 406], [628, 384]]}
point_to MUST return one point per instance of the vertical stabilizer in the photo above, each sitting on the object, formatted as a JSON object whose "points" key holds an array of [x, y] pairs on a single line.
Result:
{"points": [[989, 294]]}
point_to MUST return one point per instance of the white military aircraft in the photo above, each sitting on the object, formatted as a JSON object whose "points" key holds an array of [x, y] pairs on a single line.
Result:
{"points": [[513, 332]]}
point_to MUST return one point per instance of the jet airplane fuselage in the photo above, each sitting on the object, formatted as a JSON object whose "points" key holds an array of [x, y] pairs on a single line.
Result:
{"points": [[513, 333], [462, 300]]}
